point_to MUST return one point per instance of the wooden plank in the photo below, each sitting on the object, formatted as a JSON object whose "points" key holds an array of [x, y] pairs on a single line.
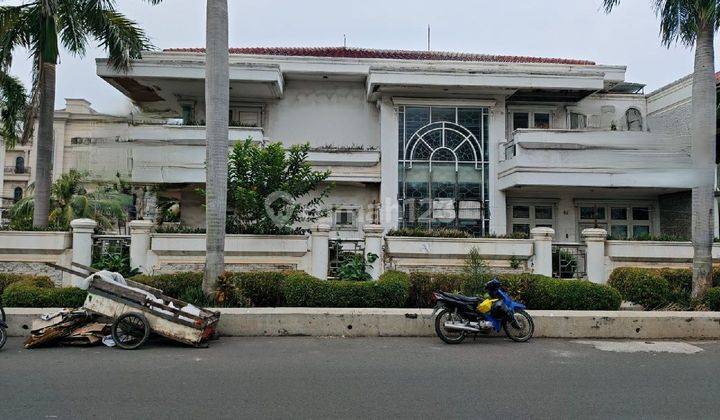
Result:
{"points": [[84, 267], [67, 270]]}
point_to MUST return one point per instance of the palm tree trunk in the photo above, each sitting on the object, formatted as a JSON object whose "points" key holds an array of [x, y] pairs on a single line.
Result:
{"points": [[703, 129], [43, 160], [217, 98]]}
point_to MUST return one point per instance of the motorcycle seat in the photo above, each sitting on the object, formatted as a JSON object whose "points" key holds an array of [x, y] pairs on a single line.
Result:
{"points": [[463, 298]]}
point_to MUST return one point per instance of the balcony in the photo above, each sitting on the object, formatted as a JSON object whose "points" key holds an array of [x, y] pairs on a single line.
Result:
{"points": [[150, 153], [21, 171], [586, 158]]}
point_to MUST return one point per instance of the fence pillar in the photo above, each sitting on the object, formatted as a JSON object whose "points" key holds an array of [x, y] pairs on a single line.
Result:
{"points": [[542, 239], [140, 244], [82, 231], [374, 245], [595, 254], [320, 235]]}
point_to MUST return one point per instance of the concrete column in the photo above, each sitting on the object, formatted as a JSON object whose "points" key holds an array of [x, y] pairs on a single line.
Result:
{"points": [[82, 231], [140, 244], [595, 254], [374, 245], [389, 138], [542, 241], [320, 236]]}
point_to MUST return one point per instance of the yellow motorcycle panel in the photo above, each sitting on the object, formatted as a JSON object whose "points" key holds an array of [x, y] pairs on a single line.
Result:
{"points": [[485, 306]]}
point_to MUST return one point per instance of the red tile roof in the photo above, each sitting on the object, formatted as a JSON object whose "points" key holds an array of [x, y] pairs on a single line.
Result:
{"points": [[343, 52]]}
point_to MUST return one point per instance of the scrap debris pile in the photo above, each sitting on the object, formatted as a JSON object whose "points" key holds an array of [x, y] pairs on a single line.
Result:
{"points": [[69, 327], [80, 327]]}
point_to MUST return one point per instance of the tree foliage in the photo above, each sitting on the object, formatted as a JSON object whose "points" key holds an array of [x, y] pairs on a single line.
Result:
{"points": [[681, 20], [269, 188], [70, 200], [13, 104]]}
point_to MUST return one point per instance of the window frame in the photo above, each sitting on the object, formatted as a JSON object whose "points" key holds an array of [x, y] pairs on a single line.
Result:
{"points": [[481, 162], [531, 111], [608, 222], [354, 210], [236, 109], [532, 220]]}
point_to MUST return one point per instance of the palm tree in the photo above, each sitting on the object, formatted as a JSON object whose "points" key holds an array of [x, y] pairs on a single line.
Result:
{"points": [[694, 22], [13, 103], [42, 26], [70, 200], [217, 97]]}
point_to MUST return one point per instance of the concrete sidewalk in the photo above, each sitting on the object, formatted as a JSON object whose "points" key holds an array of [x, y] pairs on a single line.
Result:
{"points": [[369, 322]]}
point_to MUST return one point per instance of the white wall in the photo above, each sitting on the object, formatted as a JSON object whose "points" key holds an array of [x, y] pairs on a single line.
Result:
{"points": [[323, 113]]}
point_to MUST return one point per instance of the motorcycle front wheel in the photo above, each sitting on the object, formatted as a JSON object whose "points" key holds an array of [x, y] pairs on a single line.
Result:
{"points": [[522, 329], [447, 335], [3, 337]]}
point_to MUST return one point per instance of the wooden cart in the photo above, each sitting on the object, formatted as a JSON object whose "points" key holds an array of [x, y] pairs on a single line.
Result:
{"points": [[135, 315]]}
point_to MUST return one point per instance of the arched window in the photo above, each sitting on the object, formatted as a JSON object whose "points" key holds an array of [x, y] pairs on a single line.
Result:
{"points": [[17, 194], [20, 165], [634, 119], [443, 168]]}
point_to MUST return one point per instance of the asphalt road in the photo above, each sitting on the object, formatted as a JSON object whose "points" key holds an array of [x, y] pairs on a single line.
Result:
{"points": [[362, 378]]}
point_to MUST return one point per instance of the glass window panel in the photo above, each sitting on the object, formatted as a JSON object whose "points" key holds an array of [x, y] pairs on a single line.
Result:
{"points": [[543, 226], [619, 213], [592, 213], [543, 212], [578, 121], [443, 114], [521, 228], [420, 172], [619, 231], [415, 118], [542, 120], [641, 213], [521, 120], [443, 155], [640, 231], [401, 131], [521, 212]]}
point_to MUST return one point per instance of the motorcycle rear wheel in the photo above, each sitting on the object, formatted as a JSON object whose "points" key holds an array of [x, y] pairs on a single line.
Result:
{"points": [[524, 322], [448, 336], [3, 337]]}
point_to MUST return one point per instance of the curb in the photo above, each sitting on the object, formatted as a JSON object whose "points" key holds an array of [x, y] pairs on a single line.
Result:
{"points": [[371, 322]]}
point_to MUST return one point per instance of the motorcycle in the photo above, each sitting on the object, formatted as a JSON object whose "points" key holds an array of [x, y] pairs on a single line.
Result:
{"points": [[3, 327], [458, 315]]}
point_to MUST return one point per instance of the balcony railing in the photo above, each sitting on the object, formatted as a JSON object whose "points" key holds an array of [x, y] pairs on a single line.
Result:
{"points": [[596, 158], [14, 170]]}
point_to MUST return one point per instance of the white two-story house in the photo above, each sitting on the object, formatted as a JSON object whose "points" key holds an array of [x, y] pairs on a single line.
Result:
{"points": [[491, 144]]}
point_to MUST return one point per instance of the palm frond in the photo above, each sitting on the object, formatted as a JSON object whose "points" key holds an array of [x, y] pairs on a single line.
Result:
{"points": [[609, 5], [13, 101], [121, 37]]}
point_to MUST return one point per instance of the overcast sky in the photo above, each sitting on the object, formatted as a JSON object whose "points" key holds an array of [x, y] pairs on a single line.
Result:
{"points": [[549, 28]]}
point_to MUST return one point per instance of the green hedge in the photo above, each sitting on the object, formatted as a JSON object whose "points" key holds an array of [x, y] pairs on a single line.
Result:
{"points": [[712, 299], [275, 289], [646, 287], [390, 291], [535, 291], [184, 286], [38, 294], [7, 279]]}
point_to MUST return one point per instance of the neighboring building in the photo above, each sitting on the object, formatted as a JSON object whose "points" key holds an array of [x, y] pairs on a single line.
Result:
{"points": [[669, 112], [16, 175], [491, 144]]}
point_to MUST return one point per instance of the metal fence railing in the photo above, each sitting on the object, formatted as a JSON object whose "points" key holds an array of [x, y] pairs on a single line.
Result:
{"points": [[569, 260], [340, 251]]}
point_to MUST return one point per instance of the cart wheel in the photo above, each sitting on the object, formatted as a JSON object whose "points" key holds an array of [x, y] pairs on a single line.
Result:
{"points": [[130, 331]]}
